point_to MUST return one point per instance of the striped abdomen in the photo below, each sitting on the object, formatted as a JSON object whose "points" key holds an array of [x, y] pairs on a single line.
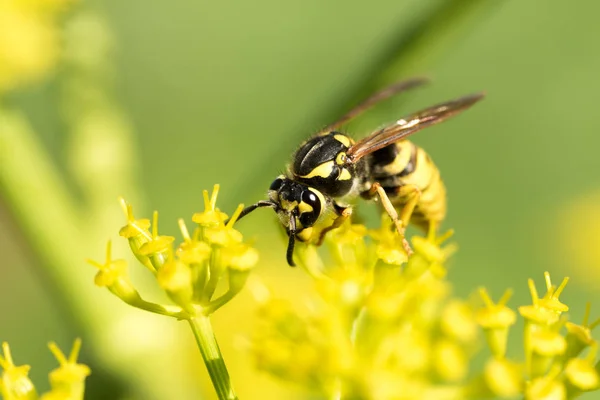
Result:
{"points": [[404, 163]]}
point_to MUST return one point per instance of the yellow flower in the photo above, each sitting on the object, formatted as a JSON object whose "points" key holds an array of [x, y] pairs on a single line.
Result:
{"points": [[190, 274], [111, 272], [580, 337], [29, 40], [496, 319], [503, 378], [15, 383], [68, 380]]}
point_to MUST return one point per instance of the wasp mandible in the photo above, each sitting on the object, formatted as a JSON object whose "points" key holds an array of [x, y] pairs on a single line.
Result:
{"points": [[330, 170]]}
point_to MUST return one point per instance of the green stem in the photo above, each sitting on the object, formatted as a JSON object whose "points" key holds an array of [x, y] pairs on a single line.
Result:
{"points": [[213, 359]]}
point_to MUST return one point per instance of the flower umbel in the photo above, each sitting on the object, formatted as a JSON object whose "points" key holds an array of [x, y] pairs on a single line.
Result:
{"points": [[385, 326], [189, 273]]}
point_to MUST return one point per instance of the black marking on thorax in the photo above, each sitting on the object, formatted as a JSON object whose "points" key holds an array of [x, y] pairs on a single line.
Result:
{"points": [[317, 151]]}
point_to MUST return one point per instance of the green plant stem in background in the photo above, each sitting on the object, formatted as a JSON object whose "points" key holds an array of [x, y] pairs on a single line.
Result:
{"points": [[213, 359], [46, 212], [61, 231]]}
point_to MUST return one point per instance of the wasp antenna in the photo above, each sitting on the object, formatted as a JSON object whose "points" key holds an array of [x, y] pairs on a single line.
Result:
{"points": [[249, 209], [290, 248]]}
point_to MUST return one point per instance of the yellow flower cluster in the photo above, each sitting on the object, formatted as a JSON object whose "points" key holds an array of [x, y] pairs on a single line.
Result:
{"points": [[385, 326], [67, 381], [29, 41], [189, 273]]}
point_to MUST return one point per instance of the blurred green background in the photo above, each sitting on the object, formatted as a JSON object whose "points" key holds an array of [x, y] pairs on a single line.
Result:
{"points": [[159, 100]]}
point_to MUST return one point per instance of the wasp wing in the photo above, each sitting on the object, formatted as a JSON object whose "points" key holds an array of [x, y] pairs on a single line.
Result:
{"points": [[409, 125], [386, 93]]}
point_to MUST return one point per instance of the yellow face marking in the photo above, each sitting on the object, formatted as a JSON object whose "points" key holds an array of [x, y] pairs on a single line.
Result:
{"points": [[323, 170], [345, 140], [305, 234], [288, 205], [340, 159], [304, 207], [345, 175]]}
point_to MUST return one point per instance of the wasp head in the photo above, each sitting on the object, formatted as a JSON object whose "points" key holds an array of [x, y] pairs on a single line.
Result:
{"points": [[298, 207]]}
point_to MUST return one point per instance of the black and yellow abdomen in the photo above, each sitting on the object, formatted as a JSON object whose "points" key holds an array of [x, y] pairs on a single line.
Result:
{"points": [[404, 164]]}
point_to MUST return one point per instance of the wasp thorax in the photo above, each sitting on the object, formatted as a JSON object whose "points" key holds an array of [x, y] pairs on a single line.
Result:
{"points": [[297, 199], [321, 163]]}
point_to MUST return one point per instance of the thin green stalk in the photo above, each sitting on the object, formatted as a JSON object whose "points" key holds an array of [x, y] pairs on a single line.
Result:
{"points": [[213, 359]]}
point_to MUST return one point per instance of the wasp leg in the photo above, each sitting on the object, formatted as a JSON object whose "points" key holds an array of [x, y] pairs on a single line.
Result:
{"points": [[413, 194], [344, 215], [401, 222]]}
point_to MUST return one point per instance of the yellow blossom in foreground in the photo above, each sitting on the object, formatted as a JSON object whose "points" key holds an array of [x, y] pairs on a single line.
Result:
{"points": [[15, 383], [189, 273], [382, 325], [67, 381], [385, 326]]}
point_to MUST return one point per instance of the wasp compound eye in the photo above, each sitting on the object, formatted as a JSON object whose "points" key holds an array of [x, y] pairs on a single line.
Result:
{"points": [[311, 199], [310, 208], [276, 185]]}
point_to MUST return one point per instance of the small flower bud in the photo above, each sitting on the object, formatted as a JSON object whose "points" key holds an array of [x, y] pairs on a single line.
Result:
{"points": [[496, 319], [113, 275], [241, 257], [581, 376], [137, 234], [211, 216], [14, 381], [458, 322], [540, 315], [545, 347], [548, 387], [388, 247], [450, 361], [503, 377], [347, 246], [579, 337], [69, 378], [160, 244], [175, 277], [550, 299], [193, 252]]}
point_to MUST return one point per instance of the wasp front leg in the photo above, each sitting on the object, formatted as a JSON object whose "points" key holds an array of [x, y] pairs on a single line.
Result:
{"points": [[344, 214], [400, 221]]}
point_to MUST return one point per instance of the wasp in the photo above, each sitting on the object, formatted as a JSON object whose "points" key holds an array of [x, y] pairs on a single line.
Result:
{"points": [[330, 170]]}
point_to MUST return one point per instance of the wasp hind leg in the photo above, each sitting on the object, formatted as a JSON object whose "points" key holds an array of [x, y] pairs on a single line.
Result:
{"points": [[400, 221]]}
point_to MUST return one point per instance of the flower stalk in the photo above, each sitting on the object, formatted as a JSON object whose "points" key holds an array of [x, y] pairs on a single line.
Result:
{"points": [[189, 274], [213, 359]]}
